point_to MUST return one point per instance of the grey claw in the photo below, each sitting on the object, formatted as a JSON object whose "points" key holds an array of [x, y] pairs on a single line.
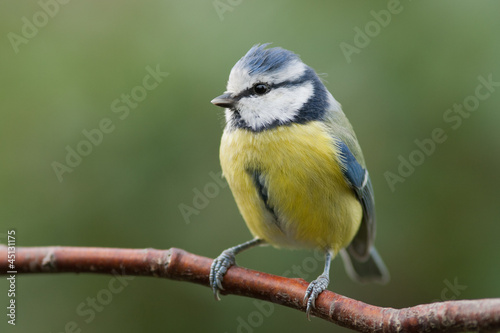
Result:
{"points": [[315, 288], [218, 269]]}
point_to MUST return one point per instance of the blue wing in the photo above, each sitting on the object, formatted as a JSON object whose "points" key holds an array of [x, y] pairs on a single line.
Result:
{"points": [[360, 182]]}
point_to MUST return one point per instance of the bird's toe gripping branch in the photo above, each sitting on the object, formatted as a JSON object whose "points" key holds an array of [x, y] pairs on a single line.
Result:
{"points": [[219, 267], [315, 288]]}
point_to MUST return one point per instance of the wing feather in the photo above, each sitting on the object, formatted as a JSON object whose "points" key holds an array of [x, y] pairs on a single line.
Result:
{"points": [[359, 180]]}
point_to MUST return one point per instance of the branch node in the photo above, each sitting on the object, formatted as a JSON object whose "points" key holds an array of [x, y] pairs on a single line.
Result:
{"points": [[49, 262]]}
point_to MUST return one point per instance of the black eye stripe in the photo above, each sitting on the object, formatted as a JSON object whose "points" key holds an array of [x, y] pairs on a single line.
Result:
{"points": [[313, 109], [250, 91]]}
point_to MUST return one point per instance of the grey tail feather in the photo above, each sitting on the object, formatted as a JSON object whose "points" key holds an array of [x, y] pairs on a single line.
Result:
{"points": [[370, 270]]}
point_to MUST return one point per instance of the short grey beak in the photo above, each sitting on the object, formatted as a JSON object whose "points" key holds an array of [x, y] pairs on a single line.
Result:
{"points": [[224, 101]]}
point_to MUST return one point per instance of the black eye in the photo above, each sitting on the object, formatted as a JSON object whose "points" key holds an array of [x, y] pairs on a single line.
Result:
{"points": [[260, 88]]}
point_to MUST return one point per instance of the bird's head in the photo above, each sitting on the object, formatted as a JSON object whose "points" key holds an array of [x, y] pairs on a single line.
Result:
{"points": [[272, 87]]}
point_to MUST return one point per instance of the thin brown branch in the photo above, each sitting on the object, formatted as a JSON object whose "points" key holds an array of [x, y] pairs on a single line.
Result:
{"points": [[177, 264]]}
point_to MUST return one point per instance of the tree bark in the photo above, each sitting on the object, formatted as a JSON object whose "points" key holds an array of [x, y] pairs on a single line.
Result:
{"points": [[452, 316]]}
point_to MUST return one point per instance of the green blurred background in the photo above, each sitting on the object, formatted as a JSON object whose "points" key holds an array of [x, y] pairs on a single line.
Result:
{"points": [[438, 227]]}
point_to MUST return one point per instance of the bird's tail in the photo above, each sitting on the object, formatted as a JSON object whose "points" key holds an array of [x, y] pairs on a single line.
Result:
{"points": [[372, 269]]}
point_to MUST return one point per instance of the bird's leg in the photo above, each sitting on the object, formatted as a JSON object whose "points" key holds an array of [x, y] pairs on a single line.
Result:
{"points": [[317, 286], [227, 259]]}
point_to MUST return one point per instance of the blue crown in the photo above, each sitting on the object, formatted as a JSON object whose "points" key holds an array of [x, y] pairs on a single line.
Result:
{"points": [[259, 59]]}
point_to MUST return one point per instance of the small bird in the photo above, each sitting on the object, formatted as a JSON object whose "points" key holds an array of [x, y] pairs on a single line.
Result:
{"points": [[295, 168]]}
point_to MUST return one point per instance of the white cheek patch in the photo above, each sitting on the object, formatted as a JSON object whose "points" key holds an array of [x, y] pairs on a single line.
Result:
{"points": [[282, 105]]}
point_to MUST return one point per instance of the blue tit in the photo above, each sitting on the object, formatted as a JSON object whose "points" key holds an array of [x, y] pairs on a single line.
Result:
{"points": [[295, 168]]}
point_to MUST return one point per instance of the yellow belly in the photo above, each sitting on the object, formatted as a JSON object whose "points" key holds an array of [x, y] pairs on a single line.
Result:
{"points": [[306, 187]]}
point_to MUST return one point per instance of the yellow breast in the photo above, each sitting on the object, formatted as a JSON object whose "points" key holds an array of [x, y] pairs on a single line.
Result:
{"points": [[313, 203]]}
